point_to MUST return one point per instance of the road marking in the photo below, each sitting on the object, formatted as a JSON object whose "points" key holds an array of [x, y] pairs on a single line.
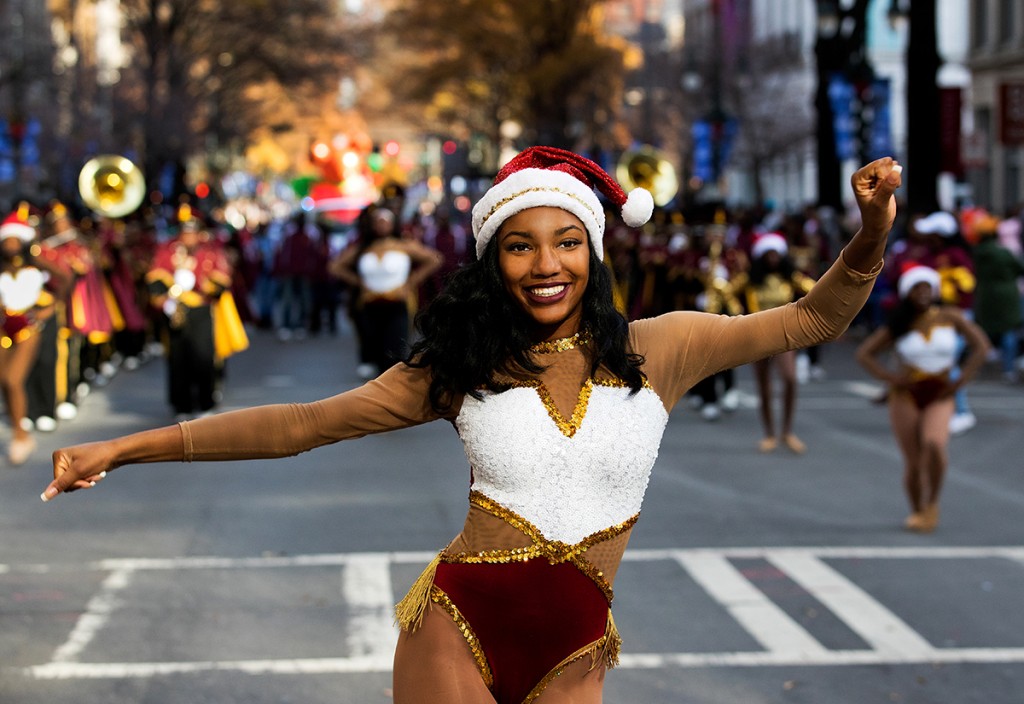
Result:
{"points": [[879, 627], [758, 614], [366, 587], [1011, 552], [95, 617], [628, 661]]}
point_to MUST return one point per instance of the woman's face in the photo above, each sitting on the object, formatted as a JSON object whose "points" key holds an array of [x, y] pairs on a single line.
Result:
{"points": [[772, 260], [383, 223], [11, 247], [544, 259], [921, 295]]}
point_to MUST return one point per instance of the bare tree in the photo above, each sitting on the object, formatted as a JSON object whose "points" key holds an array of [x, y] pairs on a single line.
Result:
{"points": [[770, 102], [476, 63], [208, 72]]}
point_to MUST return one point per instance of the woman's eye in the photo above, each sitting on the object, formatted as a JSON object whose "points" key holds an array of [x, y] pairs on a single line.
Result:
{"points": [[518, 247], [570, 243]]}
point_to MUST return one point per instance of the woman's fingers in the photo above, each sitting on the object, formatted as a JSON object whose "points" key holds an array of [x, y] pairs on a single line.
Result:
{"points": [[66, 478]]}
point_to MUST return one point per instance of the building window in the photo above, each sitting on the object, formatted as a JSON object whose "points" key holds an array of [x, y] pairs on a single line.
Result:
{"points": [[1007, 20], [979, 24], [1011, 182]]}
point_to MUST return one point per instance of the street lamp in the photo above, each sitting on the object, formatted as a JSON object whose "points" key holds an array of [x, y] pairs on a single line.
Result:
{"points": [[843, 69], [923, 107], [828, 62]]}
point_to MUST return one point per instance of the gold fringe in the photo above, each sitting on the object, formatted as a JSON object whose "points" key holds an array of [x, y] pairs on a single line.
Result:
{"points": [[610, 645], [409, 611]]}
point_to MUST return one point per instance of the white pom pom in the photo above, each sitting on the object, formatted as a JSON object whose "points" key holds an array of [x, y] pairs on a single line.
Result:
{"points": [[638, 207]]}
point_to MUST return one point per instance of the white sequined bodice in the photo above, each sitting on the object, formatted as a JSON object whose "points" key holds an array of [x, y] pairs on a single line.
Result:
{"points": [[569, 477], [932, 353], [386, 271]]}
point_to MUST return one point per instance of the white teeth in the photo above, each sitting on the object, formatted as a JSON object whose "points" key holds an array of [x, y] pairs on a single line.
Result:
{"points": [[553, 291]]}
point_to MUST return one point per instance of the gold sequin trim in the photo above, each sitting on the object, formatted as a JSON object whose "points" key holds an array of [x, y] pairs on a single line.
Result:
{"points": [[570, 426], [554, 551], [438, 596], [595, 575], [583, 337], [536, 189], [593, 649]]}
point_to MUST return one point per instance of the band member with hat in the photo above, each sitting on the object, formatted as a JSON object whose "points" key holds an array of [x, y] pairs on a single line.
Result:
{"points": [[25, 305], [189, 274]]}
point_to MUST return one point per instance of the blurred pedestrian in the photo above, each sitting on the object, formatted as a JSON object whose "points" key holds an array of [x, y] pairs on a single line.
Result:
{"points": [[924, 335], [295, 267], [997, 304], [561, 406], [384, 271], [773, 282]]}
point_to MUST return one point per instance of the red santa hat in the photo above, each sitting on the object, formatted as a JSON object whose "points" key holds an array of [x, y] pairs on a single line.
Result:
{"points": [[16, 225], [916, 274], [548, 176], [770, 242]]}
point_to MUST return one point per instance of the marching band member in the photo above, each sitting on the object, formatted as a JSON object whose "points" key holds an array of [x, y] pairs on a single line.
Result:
{"points": [[187, 277]]}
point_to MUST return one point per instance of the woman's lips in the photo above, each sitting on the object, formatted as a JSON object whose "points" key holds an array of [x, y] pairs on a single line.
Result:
{"points": [[549, 293]]}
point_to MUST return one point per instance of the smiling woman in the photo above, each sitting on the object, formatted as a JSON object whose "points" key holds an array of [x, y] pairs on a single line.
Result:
{"points": [[560, 405], [545, 264]]}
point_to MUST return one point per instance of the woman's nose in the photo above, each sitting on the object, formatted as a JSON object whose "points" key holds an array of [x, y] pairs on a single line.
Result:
{"points": [[546, 263]]}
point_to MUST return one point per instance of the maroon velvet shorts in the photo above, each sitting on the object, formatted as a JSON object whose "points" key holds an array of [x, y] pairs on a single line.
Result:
{"points": [[530, 619]]}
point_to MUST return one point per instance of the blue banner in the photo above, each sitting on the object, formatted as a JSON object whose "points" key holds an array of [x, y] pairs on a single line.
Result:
{"points": [[703, 151], [6, 146], [881, 127], [841, 96], [712, 144]]}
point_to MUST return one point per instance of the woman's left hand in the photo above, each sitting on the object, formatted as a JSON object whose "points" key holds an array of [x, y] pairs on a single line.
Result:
{"points": [[79, 467], [874, 188]]}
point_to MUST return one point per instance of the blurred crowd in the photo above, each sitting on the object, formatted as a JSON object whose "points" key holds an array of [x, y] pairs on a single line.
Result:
{"points": [[86, 297]]}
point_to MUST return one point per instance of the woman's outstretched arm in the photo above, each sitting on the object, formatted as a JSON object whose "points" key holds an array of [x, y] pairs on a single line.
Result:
{"points": [[396, 399]]}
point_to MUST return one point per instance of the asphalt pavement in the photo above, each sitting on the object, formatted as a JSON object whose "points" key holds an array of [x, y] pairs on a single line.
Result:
{"points": [[750, 578]]}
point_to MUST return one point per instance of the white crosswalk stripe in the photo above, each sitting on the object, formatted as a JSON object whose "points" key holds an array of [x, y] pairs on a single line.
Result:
{"points": [[766, 622], [366, 589]]}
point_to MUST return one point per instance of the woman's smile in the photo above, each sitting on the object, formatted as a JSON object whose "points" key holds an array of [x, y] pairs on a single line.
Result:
{"points": [[544, 258]]}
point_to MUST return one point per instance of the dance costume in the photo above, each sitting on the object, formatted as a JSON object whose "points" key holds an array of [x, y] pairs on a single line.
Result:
{"points": [[930, 355], [559, 465], [25, 302]]}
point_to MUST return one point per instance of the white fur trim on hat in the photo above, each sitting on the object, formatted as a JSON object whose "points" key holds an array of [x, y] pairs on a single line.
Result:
{"points": [[25, 233], [769, 243], [938, 223], [916, 275], [534, 188]]}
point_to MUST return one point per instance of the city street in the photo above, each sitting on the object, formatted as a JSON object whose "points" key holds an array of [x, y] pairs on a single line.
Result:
{"points": [[750, 578]]}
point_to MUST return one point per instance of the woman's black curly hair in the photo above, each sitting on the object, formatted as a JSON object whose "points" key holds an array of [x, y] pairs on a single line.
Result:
{"points": [[473, 333]]}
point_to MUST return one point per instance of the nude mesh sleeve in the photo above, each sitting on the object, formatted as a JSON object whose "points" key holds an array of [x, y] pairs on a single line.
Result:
{"points": [[396, 399], [683, 347]]}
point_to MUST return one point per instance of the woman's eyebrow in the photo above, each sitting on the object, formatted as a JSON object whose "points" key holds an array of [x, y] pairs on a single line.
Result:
{"points": [[563, 230]]}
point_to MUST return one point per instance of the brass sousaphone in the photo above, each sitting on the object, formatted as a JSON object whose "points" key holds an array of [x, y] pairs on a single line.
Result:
{"points": [[111, 185], [647, 168]]}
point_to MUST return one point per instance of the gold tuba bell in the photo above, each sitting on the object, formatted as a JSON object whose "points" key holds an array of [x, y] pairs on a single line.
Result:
{"points": [[111, 185], [647, 168]]}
